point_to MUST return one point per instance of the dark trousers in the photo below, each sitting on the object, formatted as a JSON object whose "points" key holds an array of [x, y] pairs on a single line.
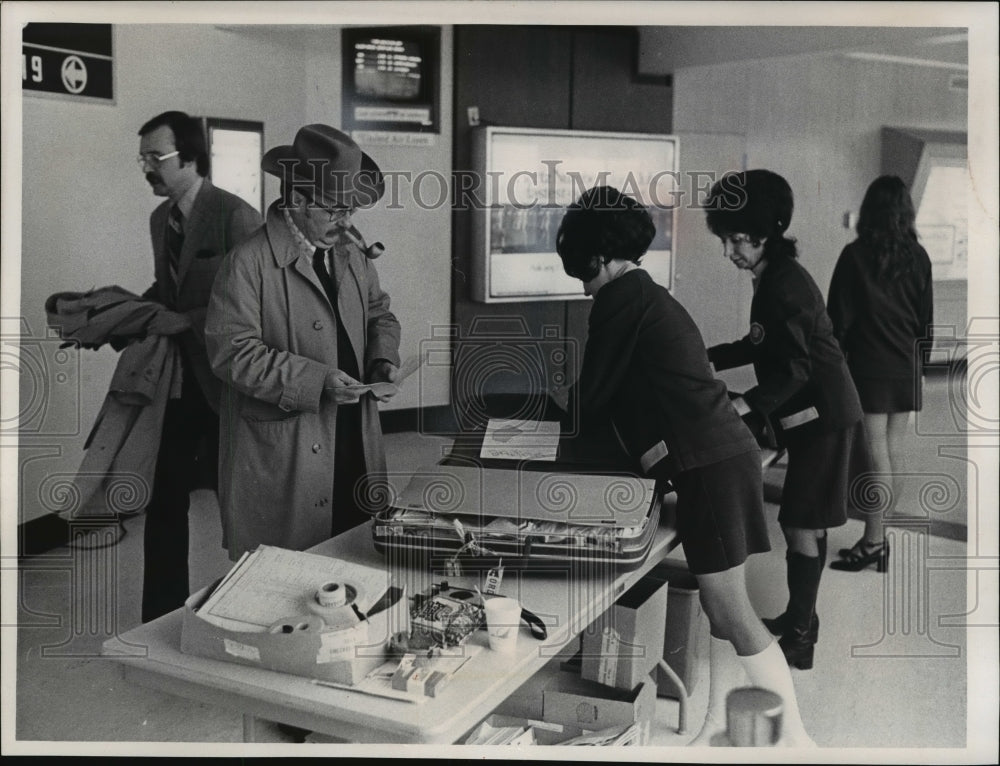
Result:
{"points": [[190, 429], [350, 486]]}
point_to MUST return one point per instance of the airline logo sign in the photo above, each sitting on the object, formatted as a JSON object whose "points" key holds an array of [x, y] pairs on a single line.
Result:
{"points": [[74, 60]]}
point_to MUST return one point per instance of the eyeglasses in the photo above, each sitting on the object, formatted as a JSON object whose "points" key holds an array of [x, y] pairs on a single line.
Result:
{"points": [[335, 213], [154, 160], [740, 240]]}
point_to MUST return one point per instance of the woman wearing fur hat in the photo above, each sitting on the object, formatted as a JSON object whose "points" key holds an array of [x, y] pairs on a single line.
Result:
{"points": [[804, 394], [646, 377]]}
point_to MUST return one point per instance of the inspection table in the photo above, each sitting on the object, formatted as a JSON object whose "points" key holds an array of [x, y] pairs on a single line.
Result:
{"points": [[567, 598]]}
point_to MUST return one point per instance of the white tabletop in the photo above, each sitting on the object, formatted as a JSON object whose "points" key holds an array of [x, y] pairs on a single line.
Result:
{"points": [[150, 655]]}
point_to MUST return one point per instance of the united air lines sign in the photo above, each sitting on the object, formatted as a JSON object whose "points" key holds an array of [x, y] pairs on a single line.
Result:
{"points": [[72, 60]]}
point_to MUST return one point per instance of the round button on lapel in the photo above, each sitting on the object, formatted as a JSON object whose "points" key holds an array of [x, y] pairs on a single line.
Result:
{"points": [[317, 447], [317, 325]]}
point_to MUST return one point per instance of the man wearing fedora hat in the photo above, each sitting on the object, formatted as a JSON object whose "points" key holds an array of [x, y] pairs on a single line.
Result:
{"points": [[297, 320]]}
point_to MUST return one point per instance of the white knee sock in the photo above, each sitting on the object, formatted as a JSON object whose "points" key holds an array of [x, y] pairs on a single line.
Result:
{"points": [[769, 670], [725, 674]]}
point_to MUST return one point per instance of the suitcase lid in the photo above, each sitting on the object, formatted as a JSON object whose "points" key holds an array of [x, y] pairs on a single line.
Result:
{"points": [[584, 499]]}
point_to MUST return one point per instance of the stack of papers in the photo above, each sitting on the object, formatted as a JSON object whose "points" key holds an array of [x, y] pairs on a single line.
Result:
{"points": [[502, 735], [615, 736], [271, 584], [520, 440]]}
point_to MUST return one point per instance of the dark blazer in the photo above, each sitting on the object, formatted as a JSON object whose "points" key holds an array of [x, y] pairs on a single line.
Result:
{"points": [[879, 325], [801, 372], [646, 369], [218, 221]]}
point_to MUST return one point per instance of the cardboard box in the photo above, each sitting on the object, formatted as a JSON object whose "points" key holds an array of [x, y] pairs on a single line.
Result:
{"points": [[574, 701], [686, 632], [626, 642], [305, 648]]}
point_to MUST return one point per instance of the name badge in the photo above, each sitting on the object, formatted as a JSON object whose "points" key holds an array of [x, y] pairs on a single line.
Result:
{"points": [[799, 418]]}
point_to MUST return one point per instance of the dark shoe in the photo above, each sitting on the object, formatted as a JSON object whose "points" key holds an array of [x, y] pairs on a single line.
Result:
{"points": [[863, 556], [798, 649], [798, 639], [779, 626], [845, 552]]}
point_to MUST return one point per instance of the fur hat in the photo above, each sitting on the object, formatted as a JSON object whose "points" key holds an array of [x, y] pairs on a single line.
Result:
{"points": [[754, 202]]}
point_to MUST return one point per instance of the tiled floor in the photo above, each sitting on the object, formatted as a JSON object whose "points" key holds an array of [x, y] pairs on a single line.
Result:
{"points": [[891, 664]]}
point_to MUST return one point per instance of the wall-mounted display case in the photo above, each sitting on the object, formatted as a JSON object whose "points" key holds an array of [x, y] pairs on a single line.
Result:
{"points": [[525, 178]]}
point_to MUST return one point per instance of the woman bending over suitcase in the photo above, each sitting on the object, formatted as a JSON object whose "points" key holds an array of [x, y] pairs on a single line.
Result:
{"points": [[645, 369]]}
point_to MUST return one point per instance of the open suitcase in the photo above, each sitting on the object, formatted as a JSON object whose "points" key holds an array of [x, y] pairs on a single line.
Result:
{"points": [[589, 506], [479, 515]]}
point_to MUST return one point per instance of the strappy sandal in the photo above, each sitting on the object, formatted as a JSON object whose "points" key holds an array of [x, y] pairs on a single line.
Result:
{"points": [[862, 556], [854, 550]]}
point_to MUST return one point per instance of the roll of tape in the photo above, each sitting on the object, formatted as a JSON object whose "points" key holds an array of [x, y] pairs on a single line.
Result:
{"points": [[333, 602], [332, 594]]}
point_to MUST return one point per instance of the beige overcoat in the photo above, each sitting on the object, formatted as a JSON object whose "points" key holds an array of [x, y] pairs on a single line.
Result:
{"points": [[271, 335]]}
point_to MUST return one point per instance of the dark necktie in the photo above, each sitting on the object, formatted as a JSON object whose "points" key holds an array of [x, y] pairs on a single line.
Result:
{"points": [[319, 266], [345, 352], [175, 239]]}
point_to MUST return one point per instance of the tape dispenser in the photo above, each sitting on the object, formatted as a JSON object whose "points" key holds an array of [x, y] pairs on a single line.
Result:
{"points": [[332, 607]]}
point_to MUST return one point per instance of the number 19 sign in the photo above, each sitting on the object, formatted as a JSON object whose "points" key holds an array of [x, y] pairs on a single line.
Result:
{"points": [[73, 60]]}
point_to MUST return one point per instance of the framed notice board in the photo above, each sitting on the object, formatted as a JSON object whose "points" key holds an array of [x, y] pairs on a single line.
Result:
{"points": [[391, 79], [74, 61]]}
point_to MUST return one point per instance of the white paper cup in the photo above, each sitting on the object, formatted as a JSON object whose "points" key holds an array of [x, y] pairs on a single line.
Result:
{"points": [[503, 623]]}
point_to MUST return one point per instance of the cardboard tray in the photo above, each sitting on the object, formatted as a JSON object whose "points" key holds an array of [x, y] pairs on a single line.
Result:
{"points": [[573, 701], [303, 648]]}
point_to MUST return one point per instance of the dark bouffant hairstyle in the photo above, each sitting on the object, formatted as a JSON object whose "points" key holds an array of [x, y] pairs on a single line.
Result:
{"points": [[886, 225], [602, 225], [189, 138], [758, 203]]}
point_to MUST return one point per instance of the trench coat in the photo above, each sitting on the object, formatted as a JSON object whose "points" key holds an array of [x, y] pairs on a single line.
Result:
{"points": [[271, 335]]}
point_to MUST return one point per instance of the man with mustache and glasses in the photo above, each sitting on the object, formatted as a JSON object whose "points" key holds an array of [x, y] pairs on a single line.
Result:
{"points": [[191, 231]]}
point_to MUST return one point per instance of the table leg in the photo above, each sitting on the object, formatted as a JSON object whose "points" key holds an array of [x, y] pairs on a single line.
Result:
{"points": [[682, 696], [249, 728]]}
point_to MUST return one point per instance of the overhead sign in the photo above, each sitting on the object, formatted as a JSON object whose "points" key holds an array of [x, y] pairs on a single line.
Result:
{"points": [[73, 60]]}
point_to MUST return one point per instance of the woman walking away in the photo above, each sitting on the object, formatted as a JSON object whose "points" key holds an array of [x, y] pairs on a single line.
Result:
{"points": [[881, 302], [646, 377], [804, 392]]}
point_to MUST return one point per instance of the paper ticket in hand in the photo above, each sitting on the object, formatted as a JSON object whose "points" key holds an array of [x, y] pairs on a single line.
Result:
{"points": [[379, 389]]}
